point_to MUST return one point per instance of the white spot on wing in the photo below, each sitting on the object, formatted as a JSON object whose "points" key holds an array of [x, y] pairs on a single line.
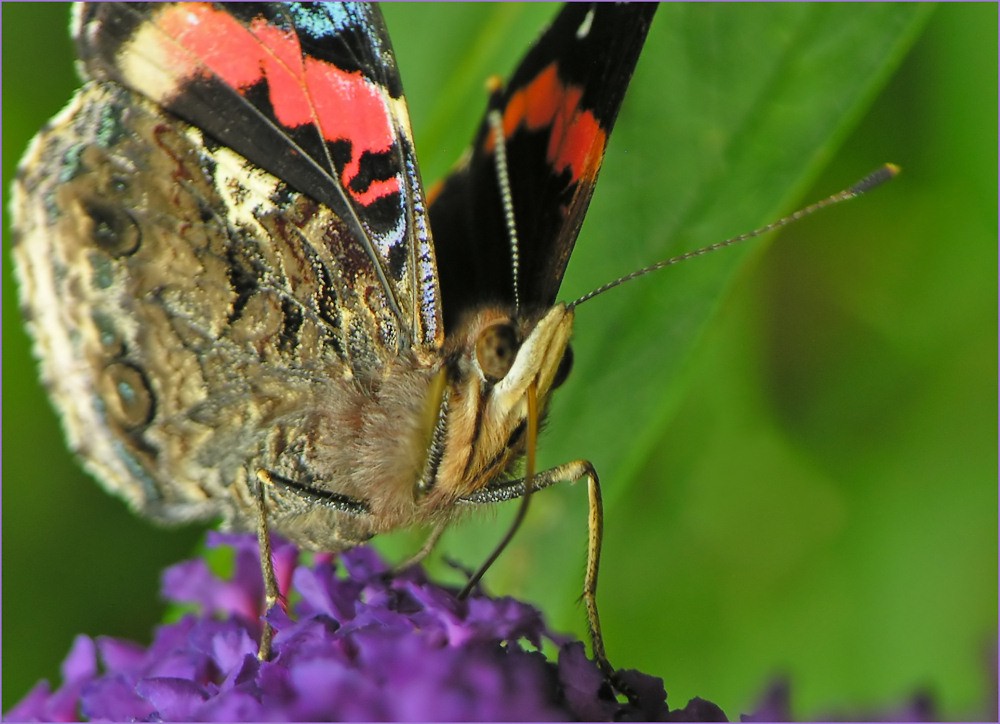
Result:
{"points": [[584, 30], [395, 236], [245, 189], [148, 64]]}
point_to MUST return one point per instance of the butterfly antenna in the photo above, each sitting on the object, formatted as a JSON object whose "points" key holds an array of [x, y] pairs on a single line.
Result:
{"points": [[503, 183], [876, 178], [495, 117]]}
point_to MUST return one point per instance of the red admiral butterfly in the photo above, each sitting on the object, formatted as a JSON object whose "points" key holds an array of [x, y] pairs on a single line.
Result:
{"points": [[228, 263], [227, 259]]}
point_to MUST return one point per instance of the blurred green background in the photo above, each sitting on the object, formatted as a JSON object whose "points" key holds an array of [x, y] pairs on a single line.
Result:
{"points": [[797, 438]]}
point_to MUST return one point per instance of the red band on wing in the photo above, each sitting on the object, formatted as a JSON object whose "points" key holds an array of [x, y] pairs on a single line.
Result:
{"points": [[303, 90], [576, 139]]}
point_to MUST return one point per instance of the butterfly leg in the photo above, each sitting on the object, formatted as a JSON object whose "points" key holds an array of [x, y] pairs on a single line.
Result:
{"points": [[271, 592], [572, 471], [428, 546]]}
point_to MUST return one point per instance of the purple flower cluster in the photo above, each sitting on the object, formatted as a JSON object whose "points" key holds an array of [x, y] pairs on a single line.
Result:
{"points": [[356, 644]]}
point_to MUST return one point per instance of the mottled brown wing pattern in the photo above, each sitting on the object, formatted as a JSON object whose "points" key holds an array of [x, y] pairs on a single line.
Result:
{"points": [[189, 330], [309, 92]]}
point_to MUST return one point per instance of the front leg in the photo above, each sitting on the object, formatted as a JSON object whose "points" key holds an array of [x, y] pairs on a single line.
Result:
{"points": [[271, 592], [425, 550], [267, 482], [568, 472]]}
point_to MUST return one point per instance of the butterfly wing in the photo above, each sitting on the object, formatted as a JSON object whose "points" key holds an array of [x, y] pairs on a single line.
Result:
{"points": [[558, 111], [198, 315], [310, 93]]}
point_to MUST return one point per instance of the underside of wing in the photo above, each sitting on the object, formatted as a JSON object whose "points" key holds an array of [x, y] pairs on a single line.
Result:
{"points": [[308, 92], [179, 304]]}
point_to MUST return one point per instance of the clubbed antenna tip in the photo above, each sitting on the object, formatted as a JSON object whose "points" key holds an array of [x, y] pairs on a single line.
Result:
{"points": [[879, 176]]}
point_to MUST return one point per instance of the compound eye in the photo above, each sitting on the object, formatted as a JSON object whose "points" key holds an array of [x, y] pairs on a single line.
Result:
{"points": [[564, 368], [496, 349]]}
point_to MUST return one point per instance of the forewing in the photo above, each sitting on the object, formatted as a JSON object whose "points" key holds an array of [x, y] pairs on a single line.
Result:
{"points": [[308, 92], [558, 111]]}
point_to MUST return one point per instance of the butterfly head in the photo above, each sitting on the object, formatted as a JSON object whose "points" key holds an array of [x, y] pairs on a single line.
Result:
{"points": [[491, 362]]}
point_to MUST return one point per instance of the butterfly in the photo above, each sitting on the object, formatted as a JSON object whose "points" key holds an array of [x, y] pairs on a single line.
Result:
{"points": [[246, 306]]}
